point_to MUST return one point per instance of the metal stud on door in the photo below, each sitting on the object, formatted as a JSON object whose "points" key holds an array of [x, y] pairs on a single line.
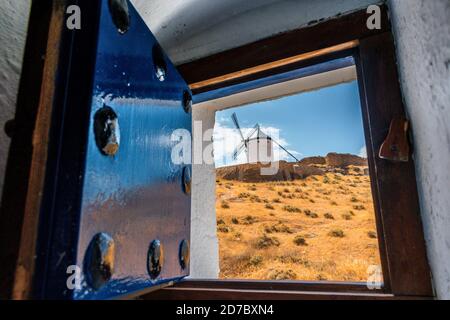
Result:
{"points": [[131, 209]]}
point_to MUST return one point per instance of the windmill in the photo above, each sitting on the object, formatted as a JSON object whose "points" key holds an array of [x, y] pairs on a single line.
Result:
{"points": [[254, 145]]}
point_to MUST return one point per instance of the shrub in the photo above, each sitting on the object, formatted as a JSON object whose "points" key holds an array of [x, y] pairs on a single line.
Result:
{"points": [[225, 205], [234, 220], [372, 234], [224, 229], [256, 261], [255, 198], [276, 274], [311, 214], [269, 206], [359, 207], [265, 241], [292, 258], [292, 209], [249, 220], [300, 241], [243, 195], [336, 233], [278, 228], [282, 228], [333, 203], [347, 216], [354, 199], [220, 221], [328, 216]]}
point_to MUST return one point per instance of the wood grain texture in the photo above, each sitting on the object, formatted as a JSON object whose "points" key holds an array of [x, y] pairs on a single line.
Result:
{"points": [[28, 152], [315, 286], [394, 183], [275, 64]]}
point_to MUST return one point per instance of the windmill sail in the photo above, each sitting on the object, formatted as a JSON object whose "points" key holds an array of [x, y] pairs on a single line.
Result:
{"points": [[236, 123], [285, 150]]}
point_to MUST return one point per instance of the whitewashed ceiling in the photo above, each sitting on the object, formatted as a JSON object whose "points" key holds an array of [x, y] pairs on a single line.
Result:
{"points": [[190, 29]]}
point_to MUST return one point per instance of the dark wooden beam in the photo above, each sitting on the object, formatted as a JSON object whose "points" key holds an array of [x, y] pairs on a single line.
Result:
{"points": [[339, 33], [394, 184], [26, 160], [323, 286]]}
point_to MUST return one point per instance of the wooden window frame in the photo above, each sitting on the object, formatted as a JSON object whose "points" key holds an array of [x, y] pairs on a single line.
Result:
{"points": [[402, 247]]}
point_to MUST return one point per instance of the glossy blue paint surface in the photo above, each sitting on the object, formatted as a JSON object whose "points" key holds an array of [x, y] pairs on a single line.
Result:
{"points": [[135, 196]]}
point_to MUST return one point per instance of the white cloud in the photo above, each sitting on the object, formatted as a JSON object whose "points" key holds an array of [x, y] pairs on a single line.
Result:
{"points": [[363, 152]]}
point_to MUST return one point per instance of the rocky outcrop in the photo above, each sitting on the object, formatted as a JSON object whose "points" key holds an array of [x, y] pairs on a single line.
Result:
{"points": [[252, 172], [313, 160], [338, 160], [333, 162]]}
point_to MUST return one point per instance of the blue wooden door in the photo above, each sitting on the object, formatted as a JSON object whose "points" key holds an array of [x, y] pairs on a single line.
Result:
{"points": [[120, 205]]}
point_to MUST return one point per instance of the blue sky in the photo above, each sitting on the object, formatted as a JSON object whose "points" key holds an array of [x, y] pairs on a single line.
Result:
{"points": [[308, 124]]}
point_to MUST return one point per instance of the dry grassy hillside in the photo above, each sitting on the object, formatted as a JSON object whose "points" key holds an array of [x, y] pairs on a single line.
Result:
{"points": [[318, 228]]}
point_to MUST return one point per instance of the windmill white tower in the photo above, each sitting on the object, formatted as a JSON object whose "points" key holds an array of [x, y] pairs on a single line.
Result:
{"points": [[258, 146]]}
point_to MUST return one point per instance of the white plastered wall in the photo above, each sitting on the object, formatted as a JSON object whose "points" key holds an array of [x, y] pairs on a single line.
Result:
{"points": [[204, 243], [190, 29], [13, 26], [422, 33]]}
